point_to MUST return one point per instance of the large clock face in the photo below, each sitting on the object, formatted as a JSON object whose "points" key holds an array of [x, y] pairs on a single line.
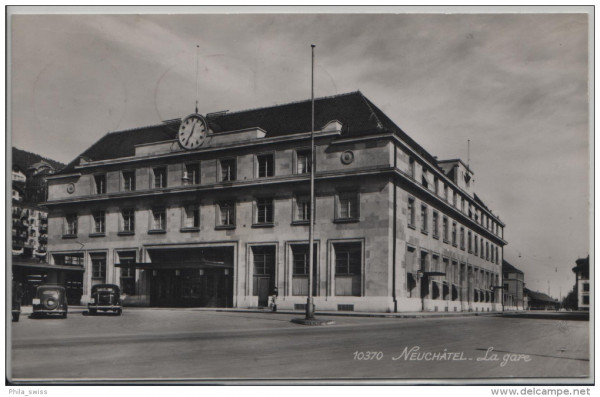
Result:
{"points": [[192, 131]]}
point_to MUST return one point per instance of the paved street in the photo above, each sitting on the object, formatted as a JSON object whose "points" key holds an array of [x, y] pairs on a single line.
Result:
{"points": [[195, 344]]}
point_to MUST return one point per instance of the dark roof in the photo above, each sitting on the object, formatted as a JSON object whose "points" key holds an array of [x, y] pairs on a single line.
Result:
{"points": [[507, 267], [358, 116], [24, 159], [538, 296]]}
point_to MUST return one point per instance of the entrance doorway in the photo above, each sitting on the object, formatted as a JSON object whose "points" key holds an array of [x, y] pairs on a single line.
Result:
{"points": [[192, 277], [263, 291], [191, 288]]}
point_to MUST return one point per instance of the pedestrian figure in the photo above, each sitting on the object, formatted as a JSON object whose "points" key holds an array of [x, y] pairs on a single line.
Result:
{"points": [[274, 300]]}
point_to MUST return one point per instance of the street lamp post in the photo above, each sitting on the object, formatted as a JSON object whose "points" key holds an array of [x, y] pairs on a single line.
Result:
{"points": [[310, 312]]}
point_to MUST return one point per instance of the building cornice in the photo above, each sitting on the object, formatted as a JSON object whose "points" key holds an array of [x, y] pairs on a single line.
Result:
{"points": [[220, 186]]}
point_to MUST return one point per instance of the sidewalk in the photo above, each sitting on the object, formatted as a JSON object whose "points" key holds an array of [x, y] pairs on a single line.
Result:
{"points": [[582, 316]]}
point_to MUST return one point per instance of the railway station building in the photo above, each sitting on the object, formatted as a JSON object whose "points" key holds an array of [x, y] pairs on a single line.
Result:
{"points": [[213, 210]]}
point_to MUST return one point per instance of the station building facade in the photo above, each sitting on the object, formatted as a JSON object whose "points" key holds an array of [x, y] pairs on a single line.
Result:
{"points": [[225, 223]]}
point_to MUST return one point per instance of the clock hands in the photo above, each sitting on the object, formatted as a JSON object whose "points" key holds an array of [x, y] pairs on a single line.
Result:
{"points": [[191, 133]]}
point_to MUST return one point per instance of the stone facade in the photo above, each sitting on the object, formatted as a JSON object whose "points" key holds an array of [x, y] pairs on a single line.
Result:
{"points": [[378, 247]]}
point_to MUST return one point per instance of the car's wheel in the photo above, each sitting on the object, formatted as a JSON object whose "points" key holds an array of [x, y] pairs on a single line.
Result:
{"points": [[64, 315], [119, 312], [93, 311], [15, 317]]}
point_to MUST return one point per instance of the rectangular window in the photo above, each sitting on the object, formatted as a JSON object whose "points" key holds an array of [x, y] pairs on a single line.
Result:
{"points": [[445, 192], [159, 219], [411, 167], [469, 241], [300, 266], [454, 234], [98, 268], [424, 265], [159, 177], [462, 204], [424, 218], [586, 287], [69, 259], [71, 224], [424, 179], [302, 206], [128, 220], [127, 273], [226, 213], [227, 170], [487, 251], [303, 163], [191, 216], [129, 180], [348, 266], [435, 185], [481, 251], [263, 258], [411, 212], [497, 260], [462, 238], [264, 210], [454, 199], [100, 183], [99, 222], [435, 224], [476, 245], [492, 253], [348, 205], [266, 165], [192, 174], [445, 229]]}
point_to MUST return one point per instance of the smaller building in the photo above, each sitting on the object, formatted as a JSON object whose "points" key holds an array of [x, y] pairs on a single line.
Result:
{"points": [[513, 286], [582, 283], [539, 301]]}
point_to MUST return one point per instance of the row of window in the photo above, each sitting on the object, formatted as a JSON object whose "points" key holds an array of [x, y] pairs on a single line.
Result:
{"points": [[226, 172], [465, 205], [451, 270], [476, 245], [347, 206]]}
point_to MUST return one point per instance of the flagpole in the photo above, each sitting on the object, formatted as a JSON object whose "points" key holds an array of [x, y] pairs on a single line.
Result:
{"points": [[311, 228]]}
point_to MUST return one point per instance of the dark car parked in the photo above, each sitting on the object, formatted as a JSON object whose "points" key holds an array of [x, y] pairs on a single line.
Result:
{"points": [[17, 294], [50, 299], [105, 297]]}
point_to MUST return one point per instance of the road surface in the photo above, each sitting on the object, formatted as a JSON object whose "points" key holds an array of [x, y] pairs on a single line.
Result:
{"points": [[188, 344]]}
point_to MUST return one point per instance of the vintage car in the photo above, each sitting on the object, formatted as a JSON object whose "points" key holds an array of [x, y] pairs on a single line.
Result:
{"points": [[50, 299], [16, 301], [105, 297]]}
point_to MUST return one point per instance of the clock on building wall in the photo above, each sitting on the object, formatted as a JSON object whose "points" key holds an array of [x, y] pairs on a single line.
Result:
{"points": [[192, 131], [70, 188]]}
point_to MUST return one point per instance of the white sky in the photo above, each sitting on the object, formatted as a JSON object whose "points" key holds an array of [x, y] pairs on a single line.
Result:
{"points": [[515, 85]]}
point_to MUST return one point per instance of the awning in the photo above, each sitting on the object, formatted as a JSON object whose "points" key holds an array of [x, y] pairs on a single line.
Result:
{"points": [[175, 265], [47, 266]]}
